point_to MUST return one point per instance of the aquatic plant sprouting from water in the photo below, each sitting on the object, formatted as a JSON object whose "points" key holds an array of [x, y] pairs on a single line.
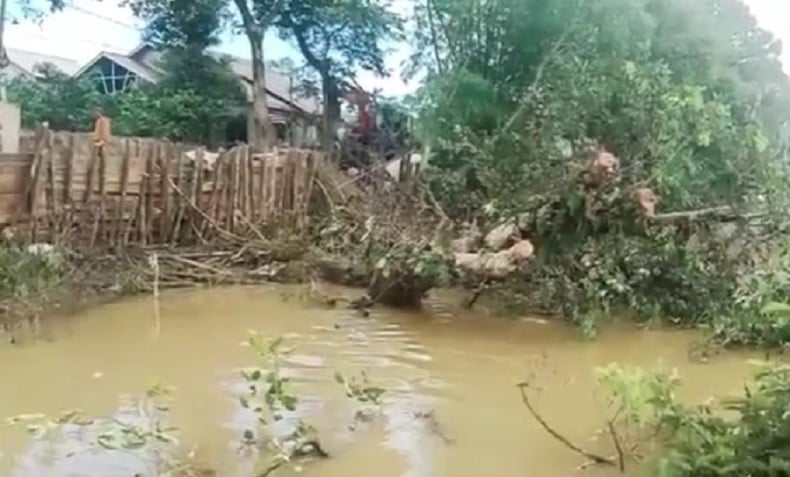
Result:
{"points": [[360, 389], [142, 431], [269, 396]]}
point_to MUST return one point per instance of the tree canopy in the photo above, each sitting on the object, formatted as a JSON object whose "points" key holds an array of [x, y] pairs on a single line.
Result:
{"points": [[691, 94], [337, 38]]}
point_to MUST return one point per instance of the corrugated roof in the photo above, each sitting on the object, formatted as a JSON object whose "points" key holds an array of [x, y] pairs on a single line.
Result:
{"points": [[27, 60]]}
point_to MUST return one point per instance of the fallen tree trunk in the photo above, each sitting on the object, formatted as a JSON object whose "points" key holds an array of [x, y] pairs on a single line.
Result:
{"points": [[495, 265]]}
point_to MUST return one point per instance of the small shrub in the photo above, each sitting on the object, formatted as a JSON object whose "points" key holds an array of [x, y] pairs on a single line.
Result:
{"points": [[700, 440], [26, 273]]}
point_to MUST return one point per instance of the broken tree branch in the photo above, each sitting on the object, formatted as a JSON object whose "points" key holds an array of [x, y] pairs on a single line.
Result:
{"points": [[598, 459]]}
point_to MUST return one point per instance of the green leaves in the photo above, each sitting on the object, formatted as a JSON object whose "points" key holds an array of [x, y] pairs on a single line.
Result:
{"points": [[66, 103], [782, 309], [194, 101], [754, 442]]}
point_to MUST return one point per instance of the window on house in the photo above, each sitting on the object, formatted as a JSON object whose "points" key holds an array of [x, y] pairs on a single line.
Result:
{"points": [[111, 77]]}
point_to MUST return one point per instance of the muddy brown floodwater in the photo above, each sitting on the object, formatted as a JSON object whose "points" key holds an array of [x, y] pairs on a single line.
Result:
{"points": [[458, 366]]}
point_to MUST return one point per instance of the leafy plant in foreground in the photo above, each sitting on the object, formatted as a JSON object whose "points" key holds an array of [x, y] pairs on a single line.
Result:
{"points": [[755, 443], [702, 441]]}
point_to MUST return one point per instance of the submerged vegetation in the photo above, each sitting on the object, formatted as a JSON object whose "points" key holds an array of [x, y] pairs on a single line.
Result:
{"points": [[143, 430]]}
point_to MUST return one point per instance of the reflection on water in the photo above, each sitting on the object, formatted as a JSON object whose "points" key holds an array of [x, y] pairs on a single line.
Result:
{"points": [[453, 409]]}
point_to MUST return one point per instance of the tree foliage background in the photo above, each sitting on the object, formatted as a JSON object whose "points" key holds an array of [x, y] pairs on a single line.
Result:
{"points": [[194, 101], [690, 96]]}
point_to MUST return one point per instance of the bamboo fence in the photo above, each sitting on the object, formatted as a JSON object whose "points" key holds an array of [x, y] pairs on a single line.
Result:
{"points": [[136, 191]]}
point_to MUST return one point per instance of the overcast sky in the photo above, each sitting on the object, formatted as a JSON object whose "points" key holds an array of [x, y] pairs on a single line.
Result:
{"points": [[87, 27]]}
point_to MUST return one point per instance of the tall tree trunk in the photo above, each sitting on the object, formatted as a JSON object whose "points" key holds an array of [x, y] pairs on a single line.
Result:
{"points": [[262, 133], [331, 109]]}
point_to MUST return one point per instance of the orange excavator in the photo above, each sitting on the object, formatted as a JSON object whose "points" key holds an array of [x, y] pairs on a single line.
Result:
{"points": [[374, 135], [363, 130]]}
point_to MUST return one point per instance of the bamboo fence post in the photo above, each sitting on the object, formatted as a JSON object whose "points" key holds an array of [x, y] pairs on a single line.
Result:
{"points": [[149, 190], [101, 228], [68, 174], [242, 192], [120, 236], [233, 189], [312, 167], [68, 181], [261, 207], [279, 196], [199, 164], [86, 194], [27, 197], [141, 232], [299, 188], [35, 171], [178, 216], [50, 198], [290, 176], [162, 163], [216, 192], [193, 184], [251, 197], [268, 186], [178, 207]]}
